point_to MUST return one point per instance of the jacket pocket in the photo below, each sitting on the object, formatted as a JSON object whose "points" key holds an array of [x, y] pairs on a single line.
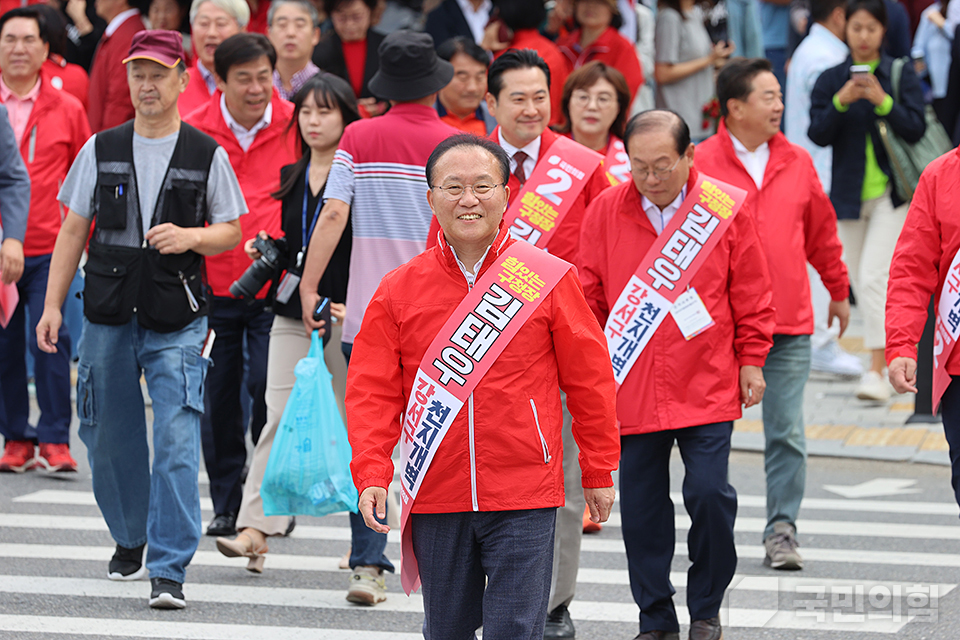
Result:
{"points": [[543, 442], [102, 289], [112, 192]]}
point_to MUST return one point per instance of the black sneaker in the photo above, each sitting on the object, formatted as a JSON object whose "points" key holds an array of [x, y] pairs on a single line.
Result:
{"points": [[166, 594], [223, 525], [559, 624], [127, 564]]}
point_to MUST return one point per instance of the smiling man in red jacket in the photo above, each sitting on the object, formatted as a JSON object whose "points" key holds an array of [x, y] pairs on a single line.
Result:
{"points": [[50, 127], [682, 380], [475, 338], [797, 224], [249, 121]]}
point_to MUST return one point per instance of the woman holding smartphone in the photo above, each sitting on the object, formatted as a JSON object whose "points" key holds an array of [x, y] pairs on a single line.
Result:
{"points": [[322, 108], [846, 103]]}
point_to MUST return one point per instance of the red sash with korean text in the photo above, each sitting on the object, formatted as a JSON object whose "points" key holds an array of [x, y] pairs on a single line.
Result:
{"points": [[550, 191], [668, 268], [947, 330], [471, 340], [616, 166]]}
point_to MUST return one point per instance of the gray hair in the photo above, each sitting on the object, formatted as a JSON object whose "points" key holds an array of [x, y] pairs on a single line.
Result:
{"points": [[303, 4], [239, 10]]}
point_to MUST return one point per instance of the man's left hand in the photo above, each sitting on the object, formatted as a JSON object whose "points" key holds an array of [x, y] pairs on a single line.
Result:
{"points": [[752, 385], [839, 309], [600, 502], [169, 238], [11, 260]]}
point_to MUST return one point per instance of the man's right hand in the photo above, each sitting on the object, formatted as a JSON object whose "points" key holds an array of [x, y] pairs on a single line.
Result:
{"points": [[374, 500], [903, 374], [48, 329]]}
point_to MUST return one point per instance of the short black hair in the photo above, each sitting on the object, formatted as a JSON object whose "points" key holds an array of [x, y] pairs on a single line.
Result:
{"points": [[520, 14], [659, 120], [464, 45], [468, 140], [820, 10], [876, 8], [53, 28], [29, 12], [514, 59], [240, 49], [735, 80], [329, 6]]}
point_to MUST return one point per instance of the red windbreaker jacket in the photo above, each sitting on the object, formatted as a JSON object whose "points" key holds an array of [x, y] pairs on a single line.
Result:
{"points": [[258, 171], [928, 243], [493, 457], [110, 104], [795, 220], [55, 132], [565, 243], [610, 48], [678, 383]]}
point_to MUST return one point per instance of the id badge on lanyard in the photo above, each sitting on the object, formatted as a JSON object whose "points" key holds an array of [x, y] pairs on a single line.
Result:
{"points": [[290, 281]]}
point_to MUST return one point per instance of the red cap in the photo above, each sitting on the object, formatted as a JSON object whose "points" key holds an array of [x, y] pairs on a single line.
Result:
{"points": [[160, 46]]}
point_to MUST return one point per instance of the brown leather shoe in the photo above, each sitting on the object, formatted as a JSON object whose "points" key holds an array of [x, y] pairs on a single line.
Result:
{"points": [[706, 630], [658, 635]]}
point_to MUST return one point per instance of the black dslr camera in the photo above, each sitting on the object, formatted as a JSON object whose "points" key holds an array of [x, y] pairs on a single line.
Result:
{"points": [[262, 269]]}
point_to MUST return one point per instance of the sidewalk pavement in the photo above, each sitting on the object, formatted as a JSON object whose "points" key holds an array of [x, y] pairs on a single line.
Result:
{"points": [[838, 424]]}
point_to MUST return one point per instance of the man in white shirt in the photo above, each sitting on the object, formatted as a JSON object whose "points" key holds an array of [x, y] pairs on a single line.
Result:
{"points": [[822, 49]]}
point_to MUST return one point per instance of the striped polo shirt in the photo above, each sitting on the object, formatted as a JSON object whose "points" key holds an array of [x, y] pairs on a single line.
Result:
{"points": [[379, 171]]}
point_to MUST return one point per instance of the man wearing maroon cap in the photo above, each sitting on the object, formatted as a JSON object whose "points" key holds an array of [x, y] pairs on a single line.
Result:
{"points": [[161, 195]]}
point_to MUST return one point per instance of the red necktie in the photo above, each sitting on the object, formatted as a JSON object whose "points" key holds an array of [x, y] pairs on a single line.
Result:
{"points": [[519, 172]]}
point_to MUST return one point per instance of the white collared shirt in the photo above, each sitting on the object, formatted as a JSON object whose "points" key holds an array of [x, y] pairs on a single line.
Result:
{"points": [[755, 162], [245, 136], [208, 78], [532, 150], [118, 20], [471, 277], [476, 19], [660, 219]]}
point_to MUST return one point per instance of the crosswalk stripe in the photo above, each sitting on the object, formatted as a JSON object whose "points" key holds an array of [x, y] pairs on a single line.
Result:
{"points": [[109, 627], [855, 556], [328, 599], [586, 575], [78, 498]]}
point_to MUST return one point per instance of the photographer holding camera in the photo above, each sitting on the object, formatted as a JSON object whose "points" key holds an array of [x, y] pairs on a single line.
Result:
{"points": [[250, 121], [322, 108]]}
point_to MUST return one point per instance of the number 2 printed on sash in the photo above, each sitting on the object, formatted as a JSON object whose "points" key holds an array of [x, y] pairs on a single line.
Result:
{"points": [[550, 192]]}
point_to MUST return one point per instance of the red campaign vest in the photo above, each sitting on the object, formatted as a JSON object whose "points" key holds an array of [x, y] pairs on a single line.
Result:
{"points": [[471, 340], [550, 191], [668, 268]]}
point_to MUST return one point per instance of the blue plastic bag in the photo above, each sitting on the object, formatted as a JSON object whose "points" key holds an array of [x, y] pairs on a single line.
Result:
{"points": [[308, 472]]}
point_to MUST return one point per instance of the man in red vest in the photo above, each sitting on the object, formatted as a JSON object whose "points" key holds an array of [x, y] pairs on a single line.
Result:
{"points": [[110, 103], [797, 224], [50, 127], [250, 122]]}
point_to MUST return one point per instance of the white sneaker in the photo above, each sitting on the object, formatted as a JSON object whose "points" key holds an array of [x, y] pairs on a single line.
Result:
{"points": [[831, 359], [367, 586], [874, 387]]}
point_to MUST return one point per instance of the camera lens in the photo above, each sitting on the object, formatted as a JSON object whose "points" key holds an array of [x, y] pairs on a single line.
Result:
{"points": [[253, 279]]}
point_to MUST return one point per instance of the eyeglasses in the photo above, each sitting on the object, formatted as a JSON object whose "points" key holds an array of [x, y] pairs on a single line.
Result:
{"points": [[660, 174], [454, 192], [582, 99]]}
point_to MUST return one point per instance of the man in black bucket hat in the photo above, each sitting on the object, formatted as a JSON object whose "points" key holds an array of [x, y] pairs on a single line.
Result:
{"points": [[377, 182]]}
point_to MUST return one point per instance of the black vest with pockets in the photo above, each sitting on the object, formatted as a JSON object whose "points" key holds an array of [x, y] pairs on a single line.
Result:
{"points": [[123, 274]]}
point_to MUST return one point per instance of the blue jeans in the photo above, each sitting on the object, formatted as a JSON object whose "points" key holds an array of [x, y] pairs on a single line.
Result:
{"points": [[162, 508], [785, 455], [489, 568], [648, 521], [367, 546], [51, 370]]}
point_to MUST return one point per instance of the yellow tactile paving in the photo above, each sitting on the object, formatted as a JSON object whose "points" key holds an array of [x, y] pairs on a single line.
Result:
{"points": [[829, 431], [908, 437], [905, 407], [852, 344], [935, 441], [870, 437], [750, 426]]}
